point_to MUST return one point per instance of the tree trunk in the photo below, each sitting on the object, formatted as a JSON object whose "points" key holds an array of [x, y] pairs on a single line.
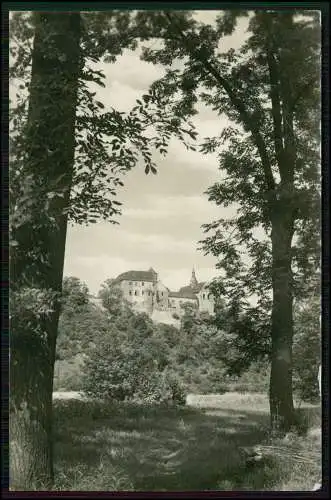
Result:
{"points": [[39, 232], [281, 394]]}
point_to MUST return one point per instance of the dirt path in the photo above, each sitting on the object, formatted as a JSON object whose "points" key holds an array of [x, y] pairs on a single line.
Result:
{"points": [[68, 395]]}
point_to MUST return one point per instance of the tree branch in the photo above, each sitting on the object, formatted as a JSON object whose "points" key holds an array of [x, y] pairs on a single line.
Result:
{"points": [[275, 105], [282, 115], [287, 170], [239, 106], [300, 93]]}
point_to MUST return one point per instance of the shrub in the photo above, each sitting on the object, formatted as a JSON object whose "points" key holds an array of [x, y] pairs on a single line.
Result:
{"points": [[131, 363], [307, 350], [161, 388], [68, 374]]}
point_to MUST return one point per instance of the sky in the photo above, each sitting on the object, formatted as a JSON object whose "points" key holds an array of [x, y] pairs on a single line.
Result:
{"points": [[162, 214]]}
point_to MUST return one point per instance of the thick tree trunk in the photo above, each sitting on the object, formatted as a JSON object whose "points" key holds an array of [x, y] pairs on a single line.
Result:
{"points": [[31, 464], [39, 231], [281, 394]]}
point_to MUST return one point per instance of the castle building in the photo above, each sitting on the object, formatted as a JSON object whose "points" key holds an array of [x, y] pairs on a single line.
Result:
{"points": [[143, 290], [146, 293]]}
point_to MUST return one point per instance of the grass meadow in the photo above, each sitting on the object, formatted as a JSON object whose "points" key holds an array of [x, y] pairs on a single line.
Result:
{"points": [[202, 446]]}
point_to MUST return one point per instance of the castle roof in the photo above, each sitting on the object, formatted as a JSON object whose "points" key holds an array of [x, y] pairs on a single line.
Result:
{"points": [[191, 290], [149, 275], [188, 292]]}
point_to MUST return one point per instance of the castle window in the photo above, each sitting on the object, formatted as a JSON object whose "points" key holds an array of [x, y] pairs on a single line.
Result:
{"points": [[130, 292], [203, 296], [162, 294], [142, 283], [135, 292], [142, 293]]}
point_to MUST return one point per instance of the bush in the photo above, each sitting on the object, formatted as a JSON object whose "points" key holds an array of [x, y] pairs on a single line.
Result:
{"points": [[124, 382], [68, 374], [161, 388], [255, 379], [307, 350], [132, 363]]}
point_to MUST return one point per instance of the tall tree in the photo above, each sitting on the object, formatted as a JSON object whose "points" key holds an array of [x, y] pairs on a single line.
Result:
{"points": [[67, 157], [38, 234], [112, 298], [269, 90]]}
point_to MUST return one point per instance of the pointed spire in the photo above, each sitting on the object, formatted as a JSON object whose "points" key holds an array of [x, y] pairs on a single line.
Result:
{"points": [[194, 281]]}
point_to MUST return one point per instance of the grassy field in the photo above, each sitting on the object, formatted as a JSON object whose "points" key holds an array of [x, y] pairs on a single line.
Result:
{"points": [[199, 447]]}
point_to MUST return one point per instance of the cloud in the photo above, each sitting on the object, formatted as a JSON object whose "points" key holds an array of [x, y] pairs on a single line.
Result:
{"points": [[155, 243], [126, 80], [208, 124], [129, 68], [178, 154], [95, 270], [195, 207], [138, 240], [235, 40], [119, 96], [162, 214], [175, 279]]}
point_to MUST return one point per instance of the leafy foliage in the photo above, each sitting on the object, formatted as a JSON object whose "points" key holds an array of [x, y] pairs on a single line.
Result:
{"points": [[115, 353], [74, 293], [80, 321], [307, 348], [269, 161], [109, 143], [112, 298], [238, 84], [30, 308], [73, 171], [280, 56], [130, 363]]}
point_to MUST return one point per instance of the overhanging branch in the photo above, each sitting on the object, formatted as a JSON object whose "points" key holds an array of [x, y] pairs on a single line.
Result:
{"points": [[275, 105], [301, 93], [238, 105]]}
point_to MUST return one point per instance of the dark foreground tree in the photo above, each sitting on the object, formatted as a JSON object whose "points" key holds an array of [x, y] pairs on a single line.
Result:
{"points": [[277, 191], [269, 90], [67, 156], [38, 235]]}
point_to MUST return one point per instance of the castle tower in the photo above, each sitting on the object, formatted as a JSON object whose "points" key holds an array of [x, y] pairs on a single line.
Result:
{"points": [[194, 281], [154, 273]]}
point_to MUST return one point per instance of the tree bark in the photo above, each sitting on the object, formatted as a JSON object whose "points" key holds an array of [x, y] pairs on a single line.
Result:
{"points": [[40, 232], [281, 393]]}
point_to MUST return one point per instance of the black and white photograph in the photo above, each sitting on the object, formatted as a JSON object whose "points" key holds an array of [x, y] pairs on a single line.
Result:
{"points": [[165, 248]]}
